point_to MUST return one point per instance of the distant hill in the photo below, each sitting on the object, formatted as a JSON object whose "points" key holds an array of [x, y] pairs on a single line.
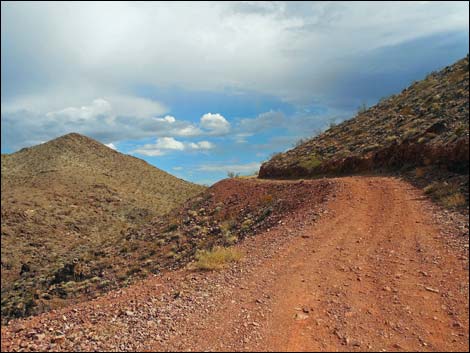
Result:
{"points": [[66, 202], [424, 129]]}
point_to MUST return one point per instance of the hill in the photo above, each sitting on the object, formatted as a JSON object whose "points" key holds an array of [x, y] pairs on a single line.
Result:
{"points": [[65, 203], [426, 126]]}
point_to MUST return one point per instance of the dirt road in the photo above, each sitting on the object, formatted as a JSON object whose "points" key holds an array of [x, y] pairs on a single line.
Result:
{"points": [[370, 269]]}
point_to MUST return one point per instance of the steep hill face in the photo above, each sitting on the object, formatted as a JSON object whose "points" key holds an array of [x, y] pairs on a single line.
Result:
{"points": [[68, 200], [426, 125]]}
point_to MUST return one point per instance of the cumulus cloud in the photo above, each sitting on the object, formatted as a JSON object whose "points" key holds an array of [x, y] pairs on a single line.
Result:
{"points": [[202, 145], [169, 119], [215, 123], [165, 144], [107, 119]]}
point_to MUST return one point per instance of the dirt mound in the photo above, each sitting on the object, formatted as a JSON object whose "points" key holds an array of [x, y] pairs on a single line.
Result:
{"points": [[223, 215], [426, 125], [64, 203]]}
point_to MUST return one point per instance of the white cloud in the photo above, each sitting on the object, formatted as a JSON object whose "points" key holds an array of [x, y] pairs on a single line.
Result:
{"points": [[149, 152], [135, 107], [97, 107], [111, 145], [202, 145], [188, 131], [236, 168], [170, 119], [169, 143], [215, 123], [242, 137], [109, 119], [165, 144]]}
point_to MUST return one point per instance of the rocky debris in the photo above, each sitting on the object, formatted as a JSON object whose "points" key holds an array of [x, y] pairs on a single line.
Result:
{"points": [[224, 215]]}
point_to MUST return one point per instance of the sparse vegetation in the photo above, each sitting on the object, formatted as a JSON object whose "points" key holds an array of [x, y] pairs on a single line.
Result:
{"points": [[217, 258], [362, 108], [232, 175], [310, 163], [73, 199], [447, 194], [455, 200], [300, 141]]}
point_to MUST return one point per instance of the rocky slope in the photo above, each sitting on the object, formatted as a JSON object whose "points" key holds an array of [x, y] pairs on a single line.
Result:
{"points": [[426, 125], [64, 204]]}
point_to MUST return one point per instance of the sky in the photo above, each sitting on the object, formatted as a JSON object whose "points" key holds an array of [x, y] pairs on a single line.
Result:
{"points": [[203, 89]]}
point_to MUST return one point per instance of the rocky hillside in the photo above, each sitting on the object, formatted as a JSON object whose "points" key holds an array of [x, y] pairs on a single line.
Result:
{"points": [[426, 126], [66, 202]]}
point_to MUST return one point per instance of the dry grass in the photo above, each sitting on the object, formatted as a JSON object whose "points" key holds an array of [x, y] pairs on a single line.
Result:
{"points": [[217, 258], [454, 200], [447, 194]]}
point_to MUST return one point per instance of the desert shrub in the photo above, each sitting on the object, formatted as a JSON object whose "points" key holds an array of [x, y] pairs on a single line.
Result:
{"points": [[447, 194], [420, 172], [454, 200], [232, 175], [310, 163], [246, 225], [407, 110], [230, 239], [275, 155], [171, 227], [362, 108], [301, 141], [461, 130], [133, 270], [170, 255], [216, 259], [266, 212], [267, 200], [228, 225]]}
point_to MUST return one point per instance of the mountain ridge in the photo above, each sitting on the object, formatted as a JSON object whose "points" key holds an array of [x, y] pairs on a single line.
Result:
{"points": [[427, 123], [69, 200]]}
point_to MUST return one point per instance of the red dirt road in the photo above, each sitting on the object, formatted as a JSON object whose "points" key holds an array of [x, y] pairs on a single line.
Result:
{"points": [[371, 269]]}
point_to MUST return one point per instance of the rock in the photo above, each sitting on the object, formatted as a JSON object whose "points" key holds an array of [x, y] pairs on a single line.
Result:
{"points": [[39, 336], [301, 316], [58, 339], [433, 290]]}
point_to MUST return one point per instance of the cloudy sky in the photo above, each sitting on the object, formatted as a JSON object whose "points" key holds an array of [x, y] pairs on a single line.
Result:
{"points": [[200, 89]]}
